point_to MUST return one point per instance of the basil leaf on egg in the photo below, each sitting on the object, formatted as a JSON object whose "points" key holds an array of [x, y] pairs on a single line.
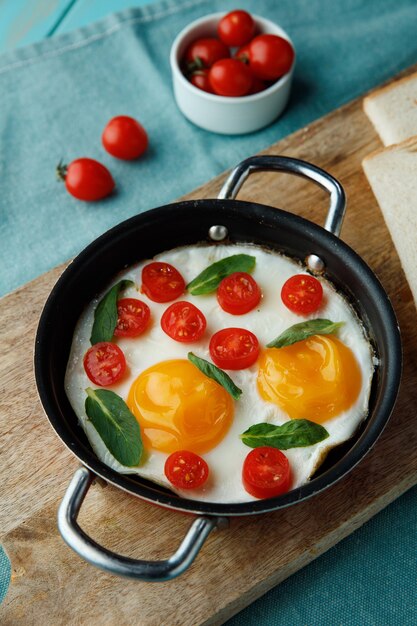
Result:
{"points": [[210, 278], [115, 424], [214, 372], [293, 434], [304, 330], [105, 315]]}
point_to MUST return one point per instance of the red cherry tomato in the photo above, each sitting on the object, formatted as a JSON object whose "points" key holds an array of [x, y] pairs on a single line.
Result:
{"points": [[186, 470], [205, 51], [257, 86], [270, 56], [124, 138], [238, 293], [104, 363], [266, 472], [86, 179], [236, 28], [183, 322], [302, 294], [242, 54], [230, 77], [161, 282], [200, 79], [234, 348], [132, 317]]}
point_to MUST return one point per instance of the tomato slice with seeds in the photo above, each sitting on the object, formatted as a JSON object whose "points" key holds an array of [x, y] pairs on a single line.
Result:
{"points": [[302, 294], [161, 282], [104, 363], [186, 470], [133, 317], [183, 322], [234, 348], [238, 293], [266, 472]]}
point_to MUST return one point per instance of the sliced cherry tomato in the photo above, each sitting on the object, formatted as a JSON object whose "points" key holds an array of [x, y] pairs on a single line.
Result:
{"points": [[236, 28], [266, 472], [161, 282], [234, 348], [183, 322], [270, 56], [186, 470], [86, 179], [238, 293], [203, 53], [230, 77], [302, 294], [104, 363], [124, 138], [200, 79], [132, 317]]}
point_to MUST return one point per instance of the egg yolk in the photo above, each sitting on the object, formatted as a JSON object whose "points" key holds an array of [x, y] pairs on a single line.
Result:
{"points": [[313, 379], [179, 408]]}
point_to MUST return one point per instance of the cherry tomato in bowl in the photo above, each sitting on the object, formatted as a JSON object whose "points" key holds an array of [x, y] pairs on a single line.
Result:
{"points": [[200, 79], [230, 77], [204, 52], [302, 294], [266, 472], [86, 179], [270, 56], [124, 138], [236, 28]]}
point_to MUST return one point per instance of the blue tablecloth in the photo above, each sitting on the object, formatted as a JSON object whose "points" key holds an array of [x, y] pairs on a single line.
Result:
{"points": [[55, 98]]}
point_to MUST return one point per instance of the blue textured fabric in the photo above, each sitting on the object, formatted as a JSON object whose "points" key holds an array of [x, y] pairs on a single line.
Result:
{"points": [[57, 95]]}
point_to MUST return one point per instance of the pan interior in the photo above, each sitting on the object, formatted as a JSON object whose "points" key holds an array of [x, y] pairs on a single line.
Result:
{"points": [[188, 223]]}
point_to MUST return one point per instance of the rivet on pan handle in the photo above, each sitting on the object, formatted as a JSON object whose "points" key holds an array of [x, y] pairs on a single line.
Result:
{"points": [[152, 571], [297, 167]]}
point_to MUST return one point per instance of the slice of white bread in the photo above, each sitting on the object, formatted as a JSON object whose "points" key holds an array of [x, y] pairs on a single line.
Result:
{"points": [[392, 174], [393, 110]]}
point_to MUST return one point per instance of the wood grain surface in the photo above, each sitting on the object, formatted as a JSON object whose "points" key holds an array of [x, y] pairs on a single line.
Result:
{"points": [[52, 585]]}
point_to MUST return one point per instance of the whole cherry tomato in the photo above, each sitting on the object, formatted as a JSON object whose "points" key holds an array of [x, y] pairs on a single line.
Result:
{"points": [[200, 79], [104, 363], [238, 293], [203, 53], [236, 28], [186, 470], [124, 138], [133, 317], [86, 179], [230, 77], [266, 472], [162, 282], [234, 348], [183, 322], [302, 294], [270, 56]]}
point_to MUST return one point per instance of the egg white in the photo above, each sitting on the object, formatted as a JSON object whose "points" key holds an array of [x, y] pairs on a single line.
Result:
{"points": [[266, 321]]}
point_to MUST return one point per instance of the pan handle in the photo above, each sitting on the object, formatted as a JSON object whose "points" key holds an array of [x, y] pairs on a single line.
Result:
{"points": [[152, 571], [297, 167]]}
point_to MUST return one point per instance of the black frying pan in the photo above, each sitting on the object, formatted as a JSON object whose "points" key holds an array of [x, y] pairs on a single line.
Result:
{"points": [[179, 224]]}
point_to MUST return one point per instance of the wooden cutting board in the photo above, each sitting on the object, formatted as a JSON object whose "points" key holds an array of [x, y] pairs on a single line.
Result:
{"points": [[52, 585]]}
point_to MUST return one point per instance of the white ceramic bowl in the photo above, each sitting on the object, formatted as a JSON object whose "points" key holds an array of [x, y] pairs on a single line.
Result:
{"points": [[219, 114]]}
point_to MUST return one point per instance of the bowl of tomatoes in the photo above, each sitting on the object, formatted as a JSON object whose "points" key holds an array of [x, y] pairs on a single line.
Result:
{"points": [[232, 73]]}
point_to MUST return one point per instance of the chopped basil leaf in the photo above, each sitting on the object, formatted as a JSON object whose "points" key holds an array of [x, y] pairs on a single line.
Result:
{"points": [[293, 434], [211, 371], [105, 315], [211, 277], [303, 330], [115, 424]]}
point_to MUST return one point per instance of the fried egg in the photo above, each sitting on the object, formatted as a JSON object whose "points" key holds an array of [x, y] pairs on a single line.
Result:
{"points": [[326, 379]]}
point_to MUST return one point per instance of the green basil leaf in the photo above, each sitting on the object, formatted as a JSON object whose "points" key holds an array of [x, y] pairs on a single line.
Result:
{"points": [[303, 330], [105, 315], [210, 278], [211, 371], [292, 434], [115, 424]]}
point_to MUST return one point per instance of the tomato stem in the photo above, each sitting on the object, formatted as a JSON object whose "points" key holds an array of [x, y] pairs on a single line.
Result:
{"points": [[61, 171]]}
